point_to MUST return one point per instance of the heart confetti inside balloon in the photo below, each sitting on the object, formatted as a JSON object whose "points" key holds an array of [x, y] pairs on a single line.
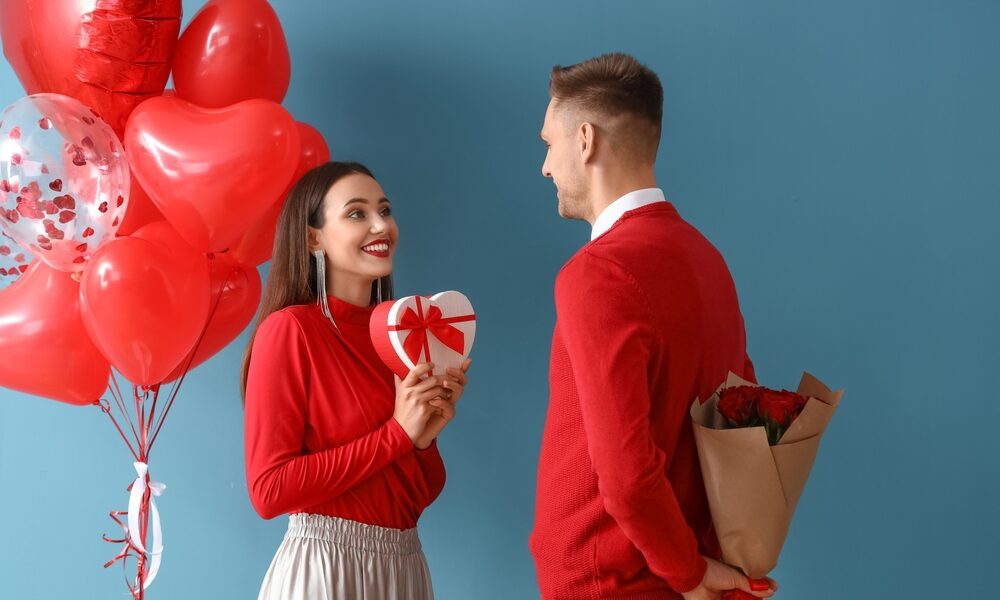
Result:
{"points": [[64, 179], [14, 260]]}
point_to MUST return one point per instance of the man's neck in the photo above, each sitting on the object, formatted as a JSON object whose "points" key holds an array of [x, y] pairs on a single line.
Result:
{"points": [[610, 189]]}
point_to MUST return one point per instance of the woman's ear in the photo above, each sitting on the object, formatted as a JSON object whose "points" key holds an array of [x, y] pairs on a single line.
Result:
{"points": [[313, 239]]}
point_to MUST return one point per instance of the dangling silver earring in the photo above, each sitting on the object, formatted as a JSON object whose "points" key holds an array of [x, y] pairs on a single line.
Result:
{"points": [[378, 292], [324, 306]]}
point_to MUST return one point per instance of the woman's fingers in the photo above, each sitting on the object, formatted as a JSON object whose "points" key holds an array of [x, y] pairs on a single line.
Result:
{"points": [[417, 373], [454, 390], [431, 393], [447, 409], [426, 384], [458, 376]]}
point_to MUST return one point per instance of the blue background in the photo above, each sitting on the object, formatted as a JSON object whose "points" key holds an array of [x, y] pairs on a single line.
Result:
{"points": [[842, 155]]}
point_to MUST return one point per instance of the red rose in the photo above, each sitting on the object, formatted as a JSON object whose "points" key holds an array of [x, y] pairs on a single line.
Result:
{"points": [[738, 405], [780, 408]]}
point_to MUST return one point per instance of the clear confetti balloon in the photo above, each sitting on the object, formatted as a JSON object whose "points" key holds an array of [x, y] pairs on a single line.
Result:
{"points": [[14, 260], [64, 179]]}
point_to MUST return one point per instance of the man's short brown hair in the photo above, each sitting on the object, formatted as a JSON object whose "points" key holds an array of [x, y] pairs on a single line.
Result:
{"points": [[613, 85]]}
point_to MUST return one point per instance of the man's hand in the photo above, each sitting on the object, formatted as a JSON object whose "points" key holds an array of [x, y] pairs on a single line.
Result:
{"points": [[719, 578]]}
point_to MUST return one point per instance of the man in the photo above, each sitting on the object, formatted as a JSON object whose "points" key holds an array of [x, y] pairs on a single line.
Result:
{"points": [[647, 320]]}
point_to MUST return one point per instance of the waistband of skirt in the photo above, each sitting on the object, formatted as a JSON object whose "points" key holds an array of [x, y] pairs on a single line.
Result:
{"points": [[345, 532]]}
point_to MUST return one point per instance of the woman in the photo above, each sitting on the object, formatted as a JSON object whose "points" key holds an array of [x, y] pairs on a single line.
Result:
{"points": [[330, 437]]}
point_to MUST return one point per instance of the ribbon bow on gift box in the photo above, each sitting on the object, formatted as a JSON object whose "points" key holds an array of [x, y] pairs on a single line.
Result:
{"points": [[419, 324]]}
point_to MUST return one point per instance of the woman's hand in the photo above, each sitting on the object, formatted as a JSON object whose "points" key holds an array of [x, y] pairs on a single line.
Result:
{"points": [[413, 396], [454, 384]]}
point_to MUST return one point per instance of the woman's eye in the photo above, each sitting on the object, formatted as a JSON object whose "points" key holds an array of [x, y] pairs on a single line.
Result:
{"points": [[385, 212], [355, 214]]}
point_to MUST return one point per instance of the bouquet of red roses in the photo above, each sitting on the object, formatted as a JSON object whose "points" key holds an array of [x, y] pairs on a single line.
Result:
{"points": [[756, 447]]}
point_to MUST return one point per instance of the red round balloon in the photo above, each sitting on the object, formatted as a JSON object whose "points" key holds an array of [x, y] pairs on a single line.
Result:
{"points": [[233, 301], [110, 55], [233, 50], [47, 351], [212, 172], [145, 299], [257, 243]]}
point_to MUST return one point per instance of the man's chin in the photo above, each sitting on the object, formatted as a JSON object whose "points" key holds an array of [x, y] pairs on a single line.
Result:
{"points": [[567, 212]]}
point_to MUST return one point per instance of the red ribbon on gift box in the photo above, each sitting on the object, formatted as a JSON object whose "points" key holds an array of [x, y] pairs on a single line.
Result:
{"points": [[419, 324]]}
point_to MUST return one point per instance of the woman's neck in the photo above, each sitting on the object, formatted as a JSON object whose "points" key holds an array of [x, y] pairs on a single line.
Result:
{"points": [[350, 288]]}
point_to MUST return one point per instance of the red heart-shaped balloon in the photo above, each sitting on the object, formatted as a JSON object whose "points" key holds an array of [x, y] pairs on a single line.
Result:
{"points": [[255, 246], [212, 172], [233, 50], [110, 55], [145, 299], [47, 351], [232, 304]]}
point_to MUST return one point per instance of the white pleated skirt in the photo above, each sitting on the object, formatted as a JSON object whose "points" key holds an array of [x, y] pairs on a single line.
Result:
{"points": [[326, 558]]}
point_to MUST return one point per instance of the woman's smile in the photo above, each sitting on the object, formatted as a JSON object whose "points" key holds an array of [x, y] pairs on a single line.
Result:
{"points": [[378, 248]]}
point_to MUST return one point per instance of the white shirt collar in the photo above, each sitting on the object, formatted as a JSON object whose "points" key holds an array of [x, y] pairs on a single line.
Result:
{"points": [[630, 201]]}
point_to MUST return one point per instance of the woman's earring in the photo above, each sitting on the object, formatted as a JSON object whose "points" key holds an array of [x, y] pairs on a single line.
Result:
{"points": [[324, 306], [378, 291]]}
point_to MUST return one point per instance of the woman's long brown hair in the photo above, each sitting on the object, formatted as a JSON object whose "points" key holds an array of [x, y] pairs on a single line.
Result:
{"points": [[292, 279]]}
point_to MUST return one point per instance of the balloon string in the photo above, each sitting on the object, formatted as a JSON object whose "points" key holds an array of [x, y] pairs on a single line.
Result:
{"points": [[152, 410], [106, 408], [140, 415], [194, 351], [116, 393], [135, 587]]}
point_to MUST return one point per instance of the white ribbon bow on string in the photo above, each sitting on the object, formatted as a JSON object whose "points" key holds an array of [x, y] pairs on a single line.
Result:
{"points": [[134, 505]]}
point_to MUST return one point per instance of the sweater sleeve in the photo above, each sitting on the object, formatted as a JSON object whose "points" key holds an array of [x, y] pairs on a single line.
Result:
{"points": [[281, 475], [432, 466], [608, 334]]}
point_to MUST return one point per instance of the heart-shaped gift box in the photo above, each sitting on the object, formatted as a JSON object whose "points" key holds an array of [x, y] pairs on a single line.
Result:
{"points": [[418, 329]]}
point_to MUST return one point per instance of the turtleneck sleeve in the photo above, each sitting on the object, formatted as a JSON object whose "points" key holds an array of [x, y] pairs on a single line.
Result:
{"points": [[282, 475]]}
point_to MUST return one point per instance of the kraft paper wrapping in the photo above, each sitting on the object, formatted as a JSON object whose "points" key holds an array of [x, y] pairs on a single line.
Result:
{"points": [[753, 488]]}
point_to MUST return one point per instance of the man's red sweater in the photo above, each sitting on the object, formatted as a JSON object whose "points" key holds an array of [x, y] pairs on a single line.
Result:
{"points": [[647, 320]]}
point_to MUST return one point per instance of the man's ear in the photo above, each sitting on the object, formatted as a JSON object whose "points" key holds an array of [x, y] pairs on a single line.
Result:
{"points": [[587, 139]]}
